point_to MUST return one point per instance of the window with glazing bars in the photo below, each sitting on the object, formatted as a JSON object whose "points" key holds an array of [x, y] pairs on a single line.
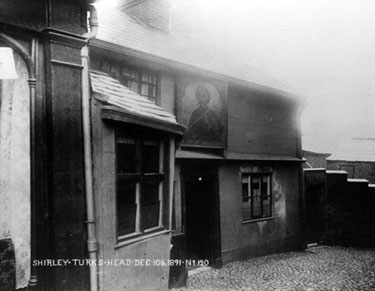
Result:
{"points": [[256, 196], [141, 81], [140, 183]]}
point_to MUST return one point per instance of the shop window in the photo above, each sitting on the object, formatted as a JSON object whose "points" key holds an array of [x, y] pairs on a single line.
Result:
{"points": [[256, 196], [140, 185]]}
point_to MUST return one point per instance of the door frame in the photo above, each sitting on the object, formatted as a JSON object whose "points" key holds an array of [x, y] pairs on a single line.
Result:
{"points": [[207, 169]]}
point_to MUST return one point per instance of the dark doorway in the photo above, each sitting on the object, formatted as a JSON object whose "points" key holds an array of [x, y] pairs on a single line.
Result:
{"points": [[315, 195], [202, 219], [199, 218], [200, 238]]}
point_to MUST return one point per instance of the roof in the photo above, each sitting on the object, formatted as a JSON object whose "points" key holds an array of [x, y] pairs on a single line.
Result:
{"points": [[316, 153], [260, 157], [116, 28], [356, 149], [125, 102]]}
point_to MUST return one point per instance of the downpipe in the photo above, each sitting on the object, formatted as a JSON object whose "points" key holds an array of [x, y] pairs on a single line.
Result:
{"points": [[92, 245]]}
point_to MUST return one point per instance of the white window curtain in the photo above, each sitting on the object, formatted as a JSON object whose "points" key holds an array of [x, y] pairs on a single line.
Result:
{"points": [[15, 168]]}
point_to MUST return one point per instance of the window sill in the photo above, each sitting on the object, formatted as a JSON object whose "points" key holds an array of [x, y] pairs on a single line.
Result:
{"points": [[258, 219], [124, 241]]}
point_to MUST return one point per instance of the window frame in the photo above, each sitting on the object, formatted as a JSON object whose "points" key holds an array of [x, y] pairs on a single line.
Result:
{"points": [[140, 178], [117, 71], [250, 197]]}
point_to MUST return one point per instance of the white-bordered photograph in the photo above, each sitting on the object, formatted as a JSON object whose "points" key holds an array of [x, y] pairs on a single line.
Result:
{"points": [[187, 145]]}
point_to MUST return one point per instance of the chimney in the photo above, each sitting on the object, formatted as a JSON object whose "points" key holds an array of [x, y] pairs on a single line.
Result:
{"points": [[154, 13]]}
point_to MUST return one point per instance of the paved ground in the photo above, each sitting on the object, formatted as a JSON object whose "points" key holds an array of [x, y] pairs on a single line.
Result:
{"points": [[319, 268]]}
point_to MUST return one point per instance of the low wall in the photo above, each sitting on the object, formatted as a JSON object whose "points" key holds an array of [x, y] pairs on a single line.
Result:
{"points": [[350, 211]]}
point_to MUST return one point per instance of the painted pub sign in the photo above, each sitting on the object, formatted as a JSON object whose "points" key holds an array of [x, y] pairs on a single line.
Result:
{"points": [[202, 108]]}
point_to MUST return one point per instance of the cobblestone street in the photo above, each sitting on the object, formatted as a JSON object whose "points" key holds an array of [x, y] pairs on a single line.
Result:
{"points": [[320, 268]]}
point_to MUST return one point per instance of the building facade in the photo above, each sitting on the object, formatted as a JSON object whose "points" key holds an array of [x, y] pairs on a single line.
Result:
{"points": [[238, 166]]}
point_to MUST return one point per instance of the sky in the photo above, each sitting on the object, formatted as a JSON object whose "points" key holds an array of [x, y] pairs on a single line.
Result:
{"points": [[323, 49]]}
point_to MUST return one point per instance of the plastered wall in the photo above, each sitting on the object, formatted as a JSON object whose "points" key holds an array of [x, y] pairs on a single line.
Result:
{"points": [[242, 240]]}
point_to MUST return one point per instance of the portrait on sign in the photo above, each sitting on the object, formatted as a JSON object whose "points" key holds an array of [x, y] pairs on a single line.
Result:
{"points": [[202, 109]]}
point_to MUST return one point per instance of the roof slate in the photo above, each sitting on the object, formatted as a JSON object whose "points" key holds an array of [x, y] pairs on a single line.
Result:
{"points": [[356, 149], [109, 91], [116, 27]]}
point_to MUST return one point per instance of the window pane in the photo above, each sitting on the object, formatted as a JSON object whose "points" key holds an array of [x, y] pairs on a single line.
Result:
{"points": [[150, 191], [126, 208], [150, 156], [126, 72], [264, 186], [115, 70], [132, 85], [153, 91], [150, 204], [153, 80], [144, 90], [106, 66], [145, 77], [126, 156], [245, 191], [134, 75], [257, 207], [255, 186]]}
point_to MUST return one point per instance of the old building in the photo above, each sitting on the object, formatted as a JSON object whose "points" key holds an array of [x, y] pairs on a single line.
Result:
{"points": [[355, 156], [238, 167]]}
